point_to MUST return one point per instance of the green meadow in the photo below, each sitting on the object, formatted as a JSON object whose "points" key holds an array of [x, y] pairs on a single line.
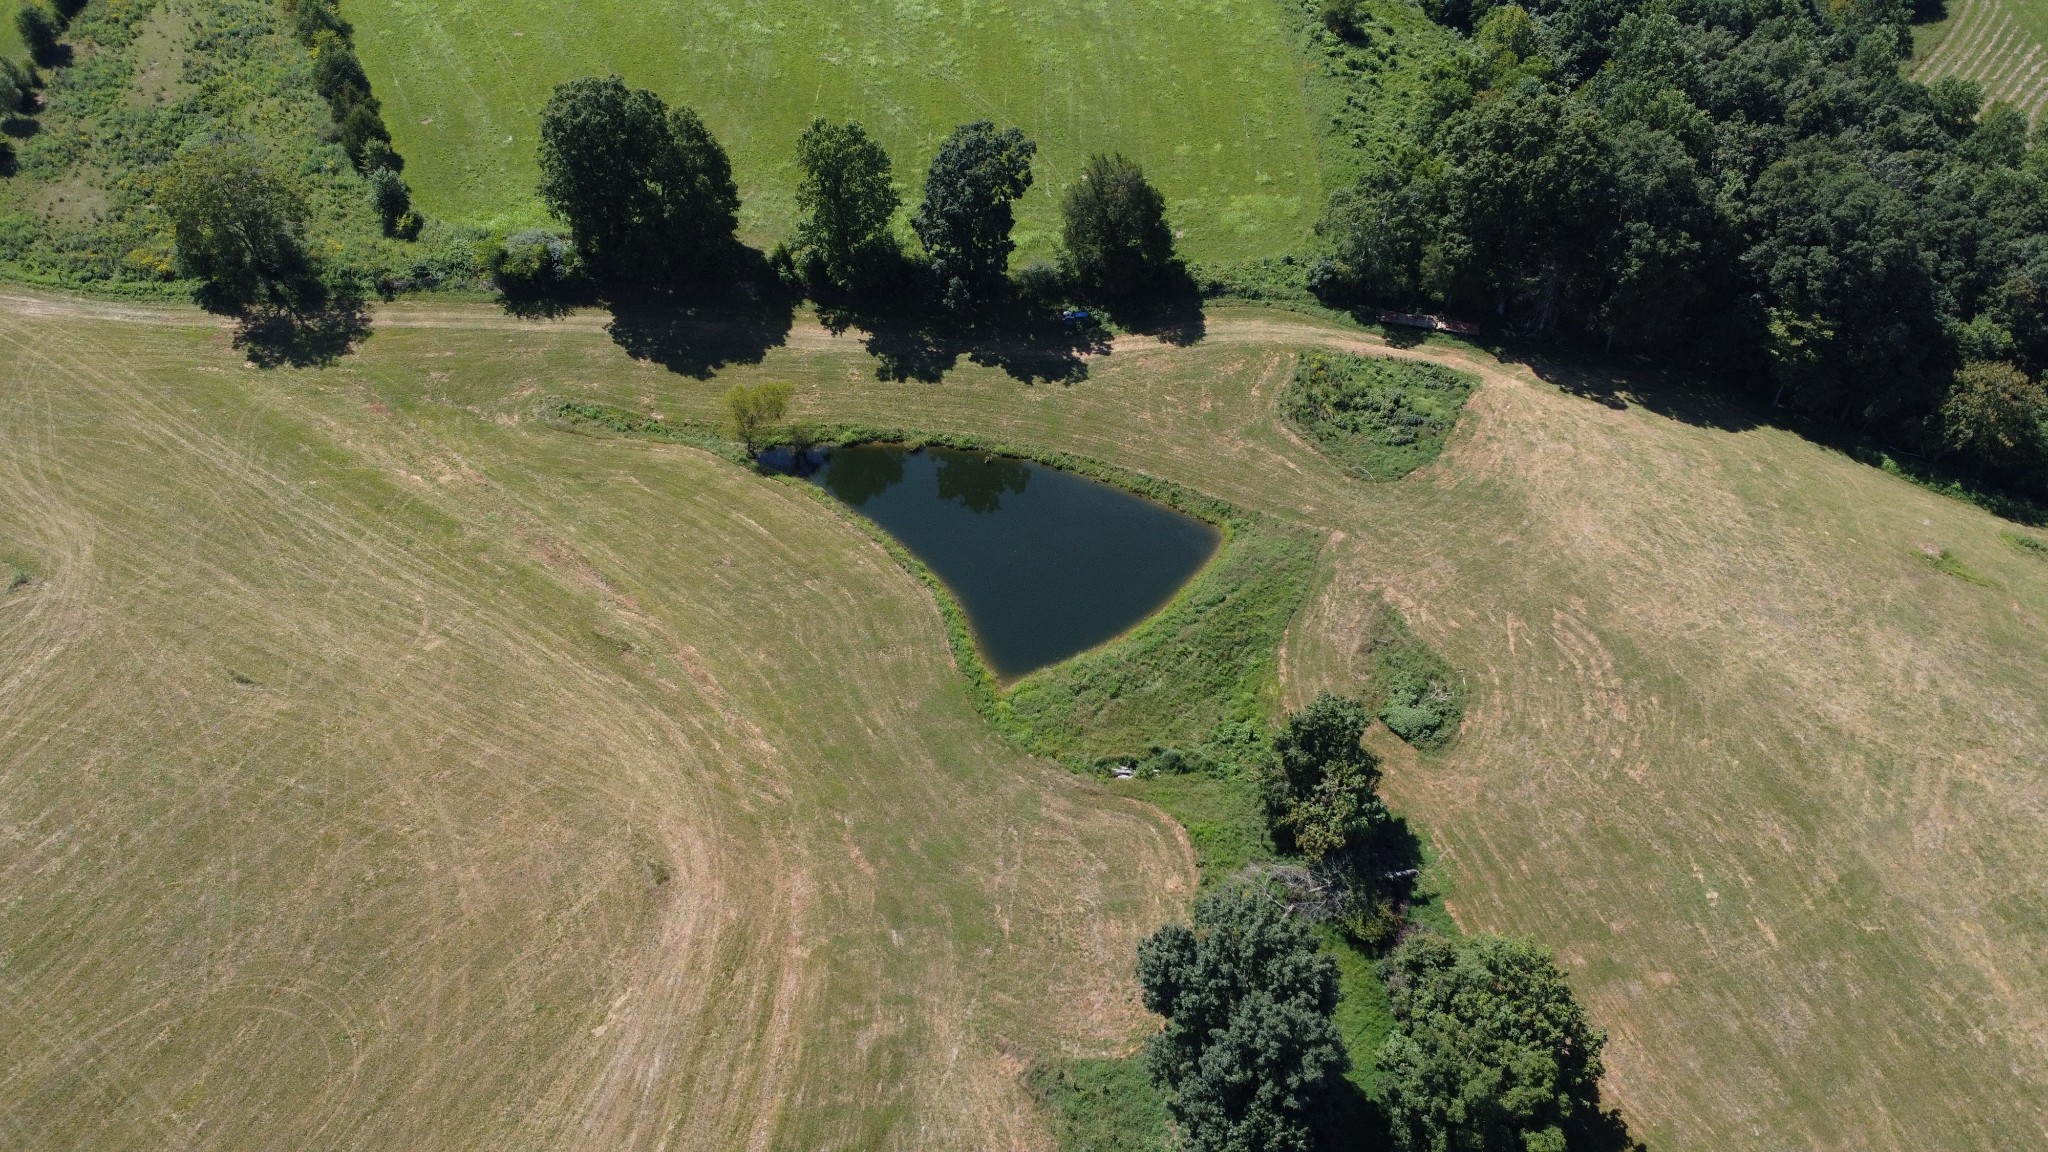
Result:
{"points": [[1209, 97]]}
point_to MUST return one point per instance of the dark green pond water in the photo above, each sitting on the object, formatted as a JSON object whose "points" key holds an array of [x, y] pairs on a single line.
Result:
{"points": [[1045, 563]]}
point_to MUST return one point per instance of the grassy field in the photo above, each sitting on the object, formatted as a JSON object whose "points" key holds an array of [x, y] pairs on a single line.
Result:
{"points": [[2001, 44], [1765, 776], [1208, 97], [380, 775], [10, 37]]}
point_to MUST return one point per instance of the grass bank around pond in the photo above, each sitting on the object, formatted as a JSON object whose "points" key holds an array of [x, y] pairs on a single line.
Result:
{"points": [[1204, 661], [1195, 687]]}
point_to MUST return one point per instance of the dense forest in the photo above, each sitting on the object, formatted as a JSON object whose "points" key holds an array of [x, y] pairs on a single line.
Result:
{"points": [[1750, 186]]}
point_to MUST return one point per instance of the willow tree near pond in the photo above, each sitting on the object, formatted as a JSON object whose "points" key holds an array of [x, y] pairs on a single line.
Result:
{"points": [[751, 409]]}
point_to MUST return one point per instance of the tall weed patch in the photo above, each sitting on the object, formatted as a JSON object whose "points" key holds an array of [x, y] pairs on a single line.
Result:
{"points": [[1414, 691], [1378, 418]]}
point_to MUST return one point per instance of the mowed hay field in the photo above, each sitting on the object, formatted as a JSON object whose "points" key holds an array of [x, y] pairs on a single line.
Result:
{"points": [[374, 773], [2001, 44], [1208, 97], [1768, 779]]}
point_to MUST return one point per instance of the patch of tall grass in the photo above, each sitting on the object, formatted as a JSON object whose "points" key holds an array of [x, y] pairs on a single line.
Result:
{"points": [[1377, 418]]}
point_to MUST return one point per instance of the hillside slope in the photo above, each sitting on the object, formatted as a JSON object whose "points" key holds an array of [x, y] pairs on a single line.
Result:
{"points": [[372, 775], [1768, 777]]}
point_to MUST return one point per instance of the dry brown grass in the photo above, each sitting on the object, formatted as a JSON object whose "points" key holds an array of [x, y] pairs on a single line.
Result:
{"points": [[378, 776], [1770, 783]]}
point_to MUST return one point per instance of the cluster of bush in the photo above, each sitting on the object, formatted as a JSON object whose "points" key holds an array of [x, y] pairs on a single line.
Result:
{"points": [[1489, 1049], [1751, 185], [358, 117], [648, 197]]}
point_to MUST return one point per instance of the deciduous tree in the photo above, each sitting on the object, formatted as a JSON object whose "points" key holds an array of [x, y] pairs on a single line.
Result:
{"points": [[1116, 237], [1249, 1052], [646, 191], [1993, 414], [965, 219], [238, 221], [845, 195], [1324, 795], [1490, 1052]]}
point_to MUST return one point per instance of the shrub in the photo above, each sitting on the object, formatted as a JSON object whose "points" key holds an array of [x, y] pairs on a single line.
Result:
{"points": [[391, 198], [1340, 17], [17, 87], [534, 260], [1415, 692]]}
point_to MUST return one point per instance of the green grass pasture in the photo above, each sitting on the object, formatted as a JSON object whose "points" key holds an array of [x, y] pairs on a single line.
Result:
{"points": [[1207, 96], [10, 38], [2001, 44]]}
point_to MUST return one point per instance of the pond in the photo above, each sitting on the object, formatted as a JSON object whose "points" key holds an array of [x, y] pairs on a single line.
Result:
{"points": [[1045, 563]]}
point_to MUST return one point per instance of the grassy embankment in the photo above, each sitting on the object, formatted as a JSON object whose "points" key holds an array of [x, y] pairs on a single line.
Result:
{"points": [[1759, 771], [2001, 44]]}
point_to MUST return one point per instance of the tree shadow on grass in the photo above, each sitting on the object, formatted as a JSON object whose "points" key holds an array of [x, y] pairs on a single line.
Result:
{"points": [[1596, 1130], [1352, 1121], [695, 335], [1170, 311], [912, 339], [1618, 381], [275, 337]]}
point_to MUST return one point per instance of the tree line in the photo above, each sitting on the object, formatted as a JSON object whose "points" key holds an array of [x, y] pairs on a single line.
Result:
{"points": [[648, 197], [1751, 185]]}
